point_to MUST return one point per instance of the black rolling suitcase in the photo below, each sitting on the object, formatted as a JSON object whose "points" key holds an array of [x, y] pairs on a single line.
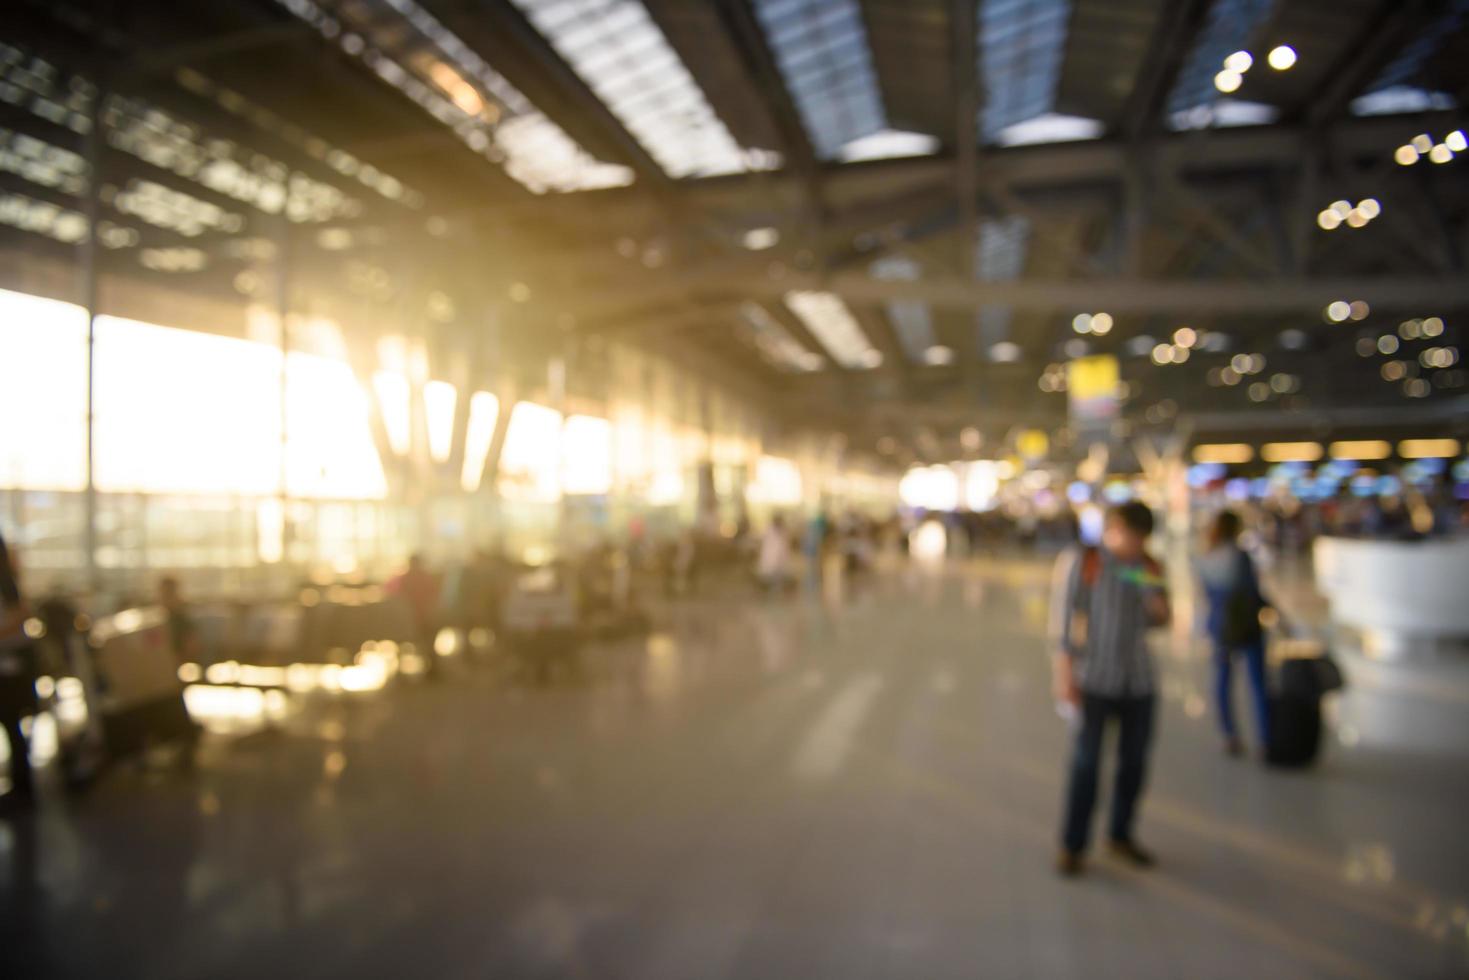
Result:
{"points": [[1295, 709]]}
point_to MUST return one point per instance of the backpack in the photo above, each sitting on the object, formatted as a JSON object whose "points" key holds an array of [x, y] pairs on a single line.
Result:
{"points": [[1241, 624]]}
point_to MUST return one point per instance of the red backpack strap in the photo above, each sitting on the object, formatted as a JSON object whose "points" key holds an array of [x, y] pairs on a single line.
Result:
{"points": [[1091, 565]]}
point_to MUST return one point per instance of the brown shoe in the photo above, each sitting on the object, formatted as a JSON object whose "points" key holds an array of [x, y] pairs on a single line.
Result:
{"points": [[1070, 864], [1129, 851]]}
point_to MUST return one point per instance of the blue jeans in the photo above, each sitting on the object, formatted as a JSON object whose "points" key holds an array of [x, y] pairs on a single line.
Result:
{"points": [[1254, 657], [1135, 719]]}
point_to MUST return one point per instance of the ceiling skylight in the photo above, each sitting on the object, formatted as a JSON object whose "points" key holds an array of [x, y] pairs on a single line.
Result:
{"points": [[614, 46], [831, 323], [1229, 27], [1020, 47], [821, 49], [429, 64], [1406, 83], [1223, 114], [1398, 99], [774, 341], [1049, 128], [910, 318], [999, 257], [888, 144]]}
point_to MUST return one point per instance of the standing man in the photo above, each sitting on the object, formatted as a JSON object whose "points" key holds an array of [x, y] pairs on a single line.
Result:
{"points": [[1106, 600]]}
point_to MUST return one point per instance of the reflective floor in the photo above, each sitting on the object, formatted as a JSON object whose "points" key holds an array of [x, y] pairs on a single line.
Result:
{"points": [[856, 786]]}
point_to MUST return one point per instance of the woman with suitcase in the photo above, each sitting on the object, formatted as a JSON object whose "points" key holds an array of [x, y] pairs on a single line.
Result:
{"points": [[1232, 590]]}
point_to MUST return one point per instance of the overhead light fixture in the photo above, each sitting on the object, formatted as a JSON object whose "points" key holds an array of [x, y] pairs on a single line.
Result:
{"points": [[1281, 57], [1101, 323], [1405, 155], [1228, 81], [1082, 323], [1239, 62], [1291, 452], [759, 239], [1338, 311], [1428, 448], [1361, 449], [1223, 452], [938, 355], [1005, 352], [1456, 141], [1440, 153], [1185, 336]]}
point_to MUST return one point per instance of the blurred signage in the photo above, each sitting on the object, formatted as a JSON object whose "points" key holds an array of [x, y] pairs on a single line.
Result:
{"points": [[1092, 384], [1032, 444]]}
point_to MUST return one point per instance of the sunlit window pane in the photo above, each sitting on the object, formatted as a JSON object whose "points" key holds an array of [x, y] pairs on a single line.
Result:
{"points": [[438, 406], [530, 458], [484, 411], [43, 381], [587, 446]]}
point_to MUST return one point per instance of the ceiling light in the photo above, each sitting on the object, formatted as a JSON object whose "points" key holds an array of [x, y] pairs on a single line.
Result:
{"points": [[1281, 57], [1228, 81], [1405, 155], [1328, 220], [1456, 141], [1387, 344], [1291, 452], [1393, 371], [1223, 452], [1082, 323], [1101, 323], [1163, 354], [939, 355], [1356, 218], [758, 239], [1358, 309], [1361, 449], [1432, 326], [1005, 352], [1440, 154], [1338, 311], [1428, 448], [1239, 62], [1185, 336], [1342, 208], [1370, 207]]}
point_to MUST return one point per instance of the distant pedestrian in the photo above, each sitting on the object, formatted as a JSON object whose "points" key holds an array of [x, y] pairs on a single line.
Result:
{"points": [[1232, 589], [773, 566], [419, 588], [1106, 600]]}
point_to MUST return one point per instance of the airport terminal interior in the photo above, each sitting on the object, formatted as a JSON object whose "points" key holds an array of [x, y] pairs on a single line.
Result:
{"points": [[734, 488]]}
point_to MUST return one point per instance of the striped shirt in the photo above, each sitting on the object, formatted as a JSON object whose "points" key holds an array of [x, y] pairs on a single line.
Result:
{"points": [[1103, 625]]}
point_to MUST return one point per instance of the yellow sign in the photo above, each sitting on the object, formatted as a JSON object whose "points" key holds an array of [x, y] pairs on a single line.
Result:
{"points": [[1092, 383], [1032, 444]]}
